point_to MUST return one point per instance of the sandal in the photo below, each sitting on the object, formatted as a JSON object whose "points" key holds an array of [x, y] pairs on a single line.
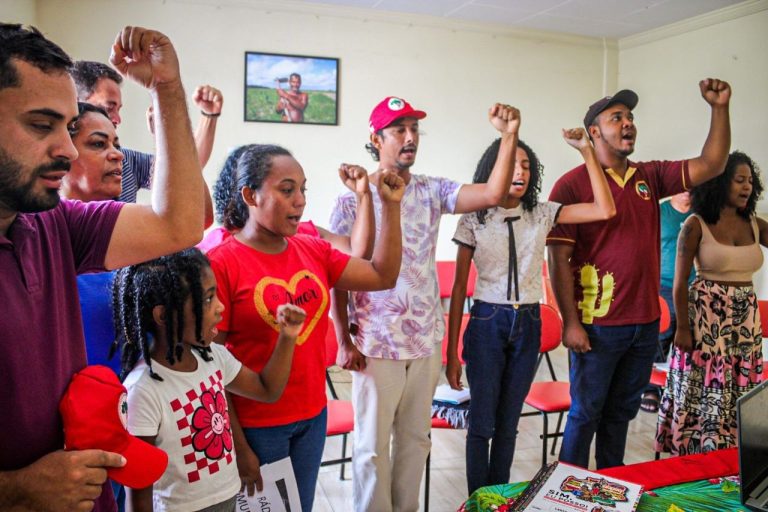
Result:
{"points": [[650, 402]]}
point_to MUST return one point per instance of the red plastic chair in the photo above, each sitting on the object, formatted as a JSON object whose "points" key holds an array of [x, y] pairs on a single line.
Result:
{"points": [[659, 377], [341, 417], [666, 319], [446, 273], [444, 344], [549, 396], [546, 288]]}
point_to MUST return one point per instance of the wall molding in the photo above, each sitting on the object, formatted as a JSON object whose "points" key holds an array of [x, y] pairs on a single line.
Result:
{"points": [[697, 22]]}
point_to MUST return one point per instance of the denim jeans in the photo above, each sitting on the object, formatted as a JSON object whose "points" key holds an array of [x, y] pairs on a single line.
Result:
{"points": [[606, 384], [303, 441], [501, 345]]}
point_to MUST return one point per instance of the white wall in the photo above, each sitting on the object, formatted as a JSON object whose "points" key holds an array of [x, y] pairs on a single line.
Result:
{"points": [[453, 72], [18, 11], [664, 68]]}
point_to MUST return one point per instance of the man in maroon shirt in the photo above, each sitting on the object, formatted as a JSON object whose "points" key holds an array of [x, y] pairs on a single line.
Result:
{"points": [[45, 242], [605, 275]]}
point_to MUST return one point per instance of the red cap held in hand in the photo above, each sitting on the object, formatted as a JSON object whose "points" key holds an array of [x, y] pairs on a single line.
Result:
{"points": [[94, 410]]}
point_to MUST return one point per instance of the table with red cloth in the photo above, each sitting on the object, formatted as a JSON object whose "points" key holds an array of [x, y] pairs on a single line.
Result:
{"points": [[701, 483]]}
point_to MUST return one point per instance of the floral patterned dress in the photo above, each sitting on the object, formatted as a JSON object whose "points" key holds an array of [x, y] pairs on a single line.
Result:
{"points": [[698, 409]]}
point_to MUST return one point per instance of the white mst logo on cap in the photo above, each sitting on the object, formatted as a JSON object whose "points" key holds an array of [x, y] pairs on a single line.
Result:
{"points": [[395, 104], [122, 410]]}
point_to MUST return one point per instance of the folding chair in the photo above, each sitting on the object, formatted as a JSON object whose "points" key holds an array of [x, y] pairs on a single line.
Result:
{"points": [[549, 396], [341, 417]]}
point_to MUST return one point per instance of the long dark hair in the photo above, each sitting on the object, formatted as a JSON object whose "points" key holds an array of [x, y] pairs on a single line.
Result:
{"points": [[484, 167], [709, 198], [167, 281]]}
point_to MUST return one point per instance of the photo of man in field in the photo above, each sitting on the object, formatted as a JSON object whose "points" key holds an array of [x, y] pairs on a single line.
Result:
{"points": [[291, 89]]}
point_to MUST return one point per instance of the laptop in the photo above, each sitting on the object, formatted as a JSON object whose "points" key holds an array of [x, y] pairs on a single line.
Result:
{"points": [[752, 419]]}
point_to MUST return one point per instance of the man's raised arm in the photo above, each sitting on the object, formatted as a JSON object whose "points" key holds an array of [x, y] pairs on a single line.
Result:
{"points": [[714, 154], [175, 219]]}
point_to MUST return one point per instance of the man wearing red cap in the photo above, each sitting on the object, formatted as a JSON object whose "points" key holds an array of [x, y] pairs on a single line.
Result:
{"points": [[605, 275], [45, 242], [395, 331]]}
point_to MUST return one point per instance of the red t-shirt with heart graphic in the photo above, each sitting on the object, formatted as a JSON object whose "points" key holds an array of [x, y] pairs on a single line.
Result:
{"points": [[252, 284]]}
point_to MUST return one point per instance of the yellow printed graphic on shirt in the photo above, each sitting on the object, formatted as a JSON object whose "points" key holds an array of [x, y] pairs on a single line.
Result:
{"points": [[595, 291], [304, 290]]}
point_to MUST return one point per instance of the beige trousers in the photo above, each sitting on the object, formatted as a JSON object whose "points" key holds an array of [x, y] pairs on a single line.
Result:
{"points": [[392, 401]]}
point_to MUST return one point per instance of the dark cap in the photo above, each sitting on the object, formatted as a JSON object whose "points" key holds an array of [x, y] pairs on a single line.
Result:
{"points": [[625, 97]]}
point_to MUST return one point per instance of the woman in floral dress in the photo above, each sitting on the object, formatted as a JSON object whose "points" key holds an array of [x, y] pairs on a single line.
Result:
{"points": [[718, 352]]}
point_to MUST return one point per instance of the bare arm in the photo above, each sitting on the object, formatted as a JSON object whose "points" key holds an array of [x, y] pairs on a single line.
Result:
{"points": [[173, 222], [210, 101], [382, 271], [603, 207], [687, 244], [456, 310], [714, 154], [248, 464], [140, 500], [477, 196], [574, 335], [297, 100], [762, 226], [360, 244], [61, 481], [268, 385], [349, 357]]}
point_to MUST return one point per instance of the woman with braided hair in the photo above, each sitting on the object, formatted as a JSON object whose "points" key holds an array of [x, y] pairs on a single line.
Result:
{"points": [[165, 313]]}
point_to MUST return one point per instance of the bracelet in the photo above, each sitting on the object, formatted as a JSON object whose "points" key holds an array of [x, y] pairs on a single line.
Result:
{"points": [[206, 114]]}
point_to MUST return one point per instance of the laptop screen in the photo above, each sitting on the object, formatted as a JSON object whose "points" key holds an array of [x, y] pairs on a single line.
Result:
{"points": [[752, 411]]}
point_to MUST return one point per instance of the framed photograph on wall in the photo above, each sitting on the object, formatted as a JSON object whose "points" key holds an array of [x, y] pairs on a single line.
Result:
{"points": [[291, 88]]}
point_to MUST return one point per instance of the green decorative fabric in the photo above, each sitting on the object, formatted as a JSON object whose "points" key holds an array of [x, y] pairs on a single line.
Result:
{"points": [[715, 495]]}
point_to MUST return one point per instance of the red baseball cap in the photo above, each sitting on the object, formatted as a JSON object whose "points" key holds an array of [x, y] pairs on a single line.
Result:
{"points": [[94, 410], [389, 110]]}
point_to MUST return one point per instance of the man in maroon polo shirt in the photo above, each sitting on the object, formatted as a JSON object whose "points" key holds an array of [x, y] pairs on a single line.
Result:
{"points": [[45, 242], [605, 275]]}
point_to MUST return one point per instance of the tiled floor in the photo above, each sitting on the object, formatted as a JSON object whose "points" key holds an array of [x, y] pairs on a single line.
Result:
{"points": [[448, 482]]}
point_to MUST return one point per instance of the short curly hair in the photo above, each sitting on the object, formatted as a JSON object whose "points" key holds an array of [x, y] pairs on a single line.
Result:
{"points": [[708, 199]]}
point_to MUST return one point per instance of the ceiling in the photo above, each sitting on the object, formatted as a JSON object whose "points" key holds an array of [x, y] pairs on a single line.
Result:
{"points": [[612, 19]]}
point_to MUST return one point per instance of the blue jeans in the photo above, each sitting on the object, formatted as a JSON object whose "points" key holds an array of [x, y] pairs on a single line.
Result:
{"points": [[303, 441], [606, 383], [501, 345]]}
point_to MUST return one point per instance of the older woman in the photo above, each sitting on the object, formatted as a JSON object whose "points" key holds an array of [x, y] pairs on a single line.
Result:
{"points": [[718, 352], [96, 175]]}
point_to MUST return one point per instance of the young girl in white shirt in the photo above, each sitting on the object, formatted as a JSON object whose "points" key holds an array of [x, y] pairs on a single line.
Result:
{"points": [[166, 311]]}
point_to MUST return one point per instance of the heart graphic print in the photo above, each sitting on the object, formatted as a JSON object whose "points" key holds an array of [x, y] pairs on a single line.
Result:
{"points": [[304, 290]]}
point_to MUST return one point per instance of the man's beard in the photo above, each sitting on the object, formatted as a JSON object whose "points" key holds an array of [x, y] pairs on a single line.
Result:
{"points": [[17, 196], [623, 152]]}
